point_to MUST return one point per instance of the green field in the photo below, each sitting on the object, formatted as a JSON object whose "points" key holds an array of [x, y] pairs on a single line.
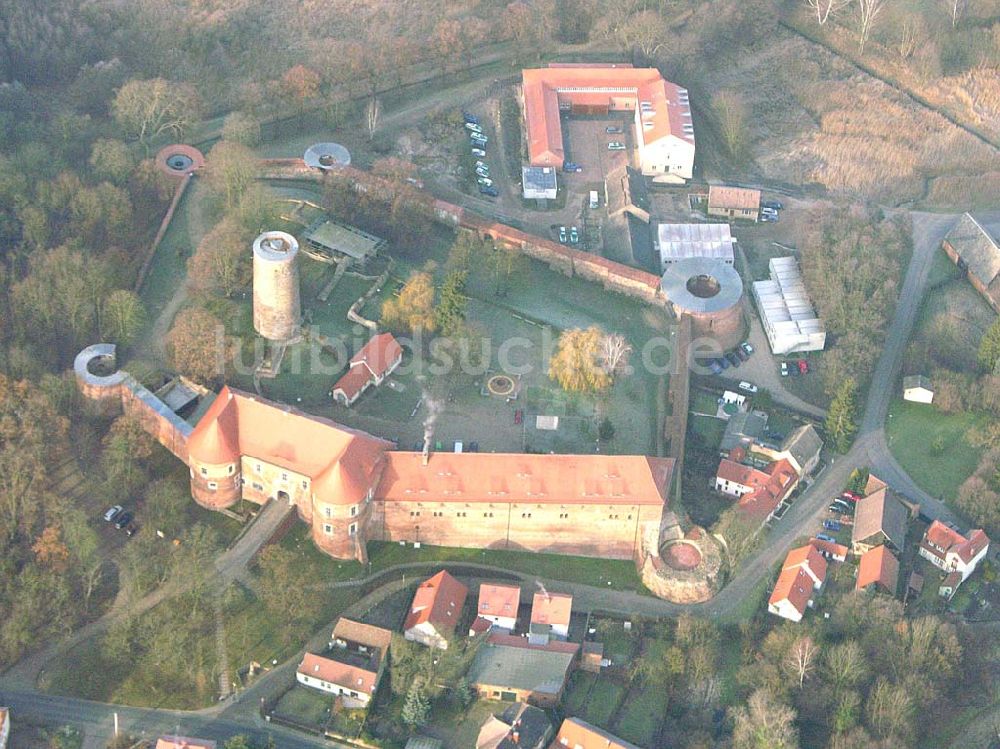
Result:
{"points": [[305, 705], [931, 447]]}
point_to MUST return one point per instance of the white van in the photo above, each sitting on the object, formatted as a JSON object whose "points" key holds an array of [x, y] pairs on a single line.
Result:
{"points": [[459, 447], [594, 202]]}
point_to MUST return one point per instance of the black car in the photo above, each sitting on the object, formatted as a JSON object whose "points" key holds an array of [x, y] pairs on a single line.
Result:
{"points": [[123, 519], [491, 191], [733, 359], [743, 355], [774, 204]]}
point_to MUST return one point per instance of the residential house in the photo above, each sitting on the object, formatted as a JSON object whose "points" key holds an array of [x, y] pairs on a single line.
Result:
{"points": [[950, 551], [376, 360], [878, 567], [592, 658], [973, 246], [759, 492], [918, 389], [183, 742], [353, 667], [520, 726], [802, 576], [578, 734], [508, 667], [733, 202], [550, 615], [831, 551], [949, 586], [435, 611], [4, 727], [498, 605], [801, 448], [743, 430], [879, 518]]}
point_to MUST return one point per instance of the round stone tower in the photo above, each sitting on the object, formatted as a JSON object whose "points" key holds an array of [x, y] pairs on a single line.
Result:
{"points": [[276, 307]]}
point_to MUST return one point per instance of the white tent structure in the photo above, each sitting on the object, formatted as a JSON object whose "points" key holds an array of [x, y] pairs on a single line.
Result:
{"points": [[786, 311], [681, 241]]}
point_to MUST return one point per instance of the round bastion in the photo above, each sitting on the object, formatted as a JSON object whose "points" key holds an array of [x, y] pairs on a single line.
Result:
{"points": [[710, 292]]}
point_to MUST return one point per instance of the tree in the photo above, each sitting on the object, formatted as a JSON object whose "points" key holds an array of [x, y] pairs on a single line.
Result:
{"points": [[51, 551], [417, 708], [197, 345], [956, 9], [501, 261], [866, 16], [285, 588], [372, 113], [85, 550], [642, 32], [740, 531], [146, 109], [166, 507], [844, 666], [826, 9], [840, 418], [222, 263], [576, 364], [238, 742], [890, 710], [765, 723], [230, 169], [122, 317], [450, 312], [413, 309], [112, 160], [242, 128], [448, 41], [301, 83], [614, 353], [989, 349], [800, 658], [731, 112]]}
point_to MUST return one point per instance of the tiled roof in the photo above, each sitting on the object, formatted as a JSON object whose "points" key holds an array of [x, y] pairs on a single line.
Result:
{"points": [[439, 601], [527, 478], [878, 565], [343, 463], [551, 608], [578, 734], [834, 549], [354, 678], [764, 499], [803, 444], [372, 362], [502, 663], [520, 726], [352, 382], [795, 586], [498, 600], [977, 248], [917, 381], [738, 198], [183, 742], [880, 511], [739, 473], [362, 634], [940, 540]]}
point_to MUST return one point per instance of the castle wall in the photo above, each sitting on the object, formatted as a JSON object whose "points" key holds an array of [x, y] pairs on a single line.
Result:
{"points": [[582, 529]]}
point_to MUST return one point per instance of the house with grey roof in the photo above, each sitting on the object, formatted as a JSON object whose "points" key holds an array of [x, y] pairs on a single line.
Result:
{"points": [[880, 518], [520, 726], [507, 667], [743, 430], [973, 245]]}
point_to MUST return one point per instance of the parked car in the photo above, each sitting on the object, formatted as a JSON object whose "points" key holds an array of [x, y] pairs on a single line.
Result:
{"points": [[768, 218], [851, 496], [574, 235], [723, 362], [784, 369], [825, 537], [123, 519], [831, 525], [614, 130], [478, 152], [482, 164], [747, 347], [572, 166], [842, 507], [733, 359], [743, 355], [472, 127], [563, 237], [838, 507], [768, 211], [470, 118], [774, 205], [616, 145], [747, 387], [518, 416], [485, 181], [715, 366], [478, 140], [112, 512], [803, 366], [480, 172], [793, 369], [487, 190]]}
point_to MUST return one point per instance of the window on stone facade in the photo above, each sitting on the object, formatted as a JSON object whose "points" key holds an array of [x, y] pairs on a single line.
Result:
{"points": [[438, 514], [284, 477], [232, 470], [328, 511], [460, 514], [564, 515], [305, 484], [352, 529], [612, 517], [212, 485], [204, 471], [525, 514], [487, 514], [257, 468], [354, 510], [629, 517], [327, 529], [258, 487]]}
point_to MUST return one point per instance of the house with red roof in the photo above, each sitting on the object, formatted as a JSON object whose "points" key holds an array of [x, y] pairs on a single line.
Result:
{"points": [[830, 550], [759, 492], [550, 615], [498, 605], [184, 742], [953, 553], [575, 733], [4, 727], [660, 112], [802, 576], [435, 611], [878, 568], [376, 360], [353, 666]]}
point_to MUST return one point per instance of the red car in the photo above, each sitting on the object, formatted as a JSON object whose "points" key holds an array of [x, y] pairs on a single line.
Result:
{"points": [[803, 366], [518, 416], [852, 496]]}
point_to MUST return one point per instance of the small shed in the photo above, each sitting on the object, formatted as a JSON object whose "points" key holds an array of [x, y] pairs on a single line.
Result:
{"points": [[539, 182], [918, 388], [733, 202]]}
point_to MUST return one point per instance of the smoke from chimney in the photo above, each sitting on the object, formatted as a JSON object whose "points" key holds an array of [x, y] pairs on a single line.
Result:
{"points": [[434, 408], [542, 588]]}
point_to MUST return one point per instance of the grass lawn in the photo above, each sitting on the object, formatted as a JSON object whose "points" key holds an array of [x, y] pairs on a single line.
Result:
{"points": [[931, 447], [710, 429], [753, 602], [604, 700], [305, 705], [461, 728], [578, 691], [640, 717]]}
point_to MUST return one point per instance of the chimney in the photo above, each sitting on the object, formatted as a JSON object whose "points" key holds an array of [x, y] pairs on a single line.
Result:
{"points": [[516, 737], [426, 454]]}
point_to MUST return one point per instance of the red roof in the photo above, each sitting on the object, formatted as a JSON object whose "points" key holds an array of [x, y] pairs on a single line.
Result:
{"points": [[498, 600], [372, 362], [941, 540], [528, 478], [184, 742], [575, 733], [551, 608], [943, 537], [795, 586], [809, 556], [438, 601], [833, 549], [353, 381], [737, 473], [516, 641], [764, 499], [350, 677], [343, 463], [878, 566]]}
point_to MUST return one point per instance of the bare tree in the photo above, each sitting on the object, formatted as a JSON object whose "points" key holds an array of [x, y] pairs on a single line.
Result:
{"points": [[765, 721], [825, 9], [800, 659], [731, 112], [956, 9], [614, 353], [372, 114], [866, 15], [643, 32]]}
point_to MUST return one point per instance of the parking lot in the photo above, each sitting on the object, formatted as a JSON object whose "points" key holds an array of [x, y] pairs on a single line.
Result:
{"points": [[586, 143]]}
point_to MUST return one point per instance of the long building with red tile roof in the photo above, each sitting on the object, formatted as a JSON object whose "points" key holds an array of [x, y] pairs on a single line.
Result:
{"points": [[949, 550], [435, 611], [661, 113], [878, 566], [575, 733], [376, 360], [759, 491], [802, 574]]}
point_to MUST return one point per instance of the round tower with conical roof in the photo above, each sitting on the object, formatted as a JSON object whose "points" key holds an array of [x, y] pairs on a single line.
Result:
{"points": [[214, 458]]}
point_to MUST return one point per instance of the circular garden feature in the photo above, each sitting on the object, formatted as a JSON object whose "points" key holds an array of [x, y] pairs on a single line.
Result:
{"points": [[500, 385], [682, 555], [179, 160]]}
